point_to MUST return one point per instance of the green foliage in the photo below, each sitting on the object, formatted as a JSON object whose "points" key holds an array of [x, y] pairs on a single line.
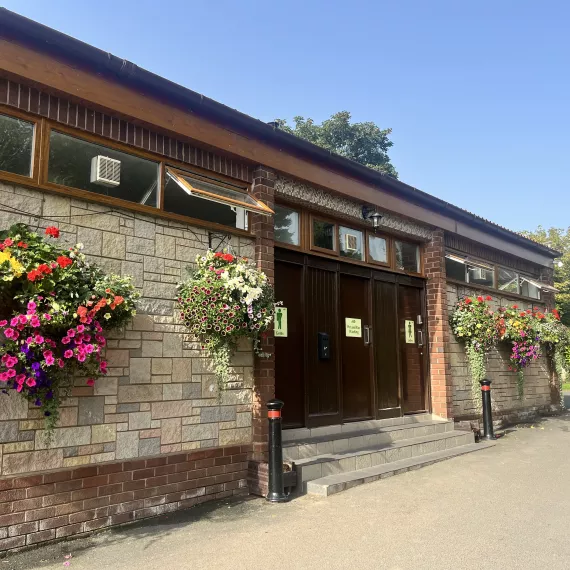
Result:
{"points": [[365, 143], [226, 298], [558, 239]]}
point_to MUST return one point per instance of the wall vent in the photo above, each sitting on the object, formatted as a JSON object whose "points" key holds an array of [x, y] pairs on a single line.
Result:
{"points": [[350, 242], [105, 171]]}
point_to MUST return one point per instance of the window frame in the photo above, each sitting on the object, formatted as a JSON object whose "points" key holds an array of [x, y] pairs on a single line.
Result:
{"points": [[420, 257], [178, 176], [316, 218], [369, 258], [36, 147], [301, 215]]}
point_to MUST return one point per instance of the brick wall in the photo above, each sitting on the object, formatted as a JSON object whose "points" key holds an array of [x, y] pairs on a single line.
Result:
{"points": [[538, 387], [57, 504], [438, 326], [160, 396]]}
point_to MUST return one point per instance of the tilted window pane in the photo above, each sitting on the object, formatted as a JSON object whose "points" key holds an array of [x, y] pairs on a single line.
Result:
{"points": [[350, 242], [481, 276], [378, 249], [287, 225], [73, 162], [455, 269], [323, 234], [407, 256], [530, 289], [16, 145], [508, 281], [179, 201]]}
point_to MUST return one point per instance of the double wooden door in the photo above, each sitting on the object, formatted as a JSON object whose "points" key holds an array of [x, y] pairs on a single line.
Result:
{"points": [[344, 356]]}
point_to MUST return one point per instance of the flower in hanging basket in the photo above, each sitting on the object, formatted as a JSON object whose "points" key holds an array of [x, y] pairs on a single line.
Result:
{"points": [[226, 298]]}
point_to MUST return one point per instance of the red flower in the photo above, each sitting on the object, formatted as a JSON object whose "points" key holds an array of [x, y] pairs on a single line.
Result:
{"points": [[8, 242], [228, 257], [488, 298], [480, 299], [52, 231], [33, 275], [468, 301], [64, 261], [22, 245], [523, 314], [218, 254], [515, 306], [43, 268], [556, 314]]}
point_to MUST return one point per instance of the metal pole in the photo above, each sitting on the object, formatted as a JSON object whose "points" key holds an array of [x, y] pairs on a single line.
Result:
{"points": [[275, 493], [487, 414]]}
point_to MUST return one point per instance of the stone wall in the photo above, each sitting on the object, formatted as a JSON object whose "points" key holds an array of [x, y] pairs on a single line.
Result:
{"points": [[160, 396], [505, 399]]}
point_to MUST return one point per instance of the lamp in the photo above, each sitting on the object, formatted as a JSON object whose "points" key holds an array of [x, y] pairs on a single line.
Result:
{"points": [[371, 214]]}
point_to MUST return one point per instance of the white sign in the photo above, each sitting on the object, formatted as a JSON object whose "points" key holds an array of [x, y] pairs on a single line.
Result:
{"points": [[353, 327], [410, 332]]}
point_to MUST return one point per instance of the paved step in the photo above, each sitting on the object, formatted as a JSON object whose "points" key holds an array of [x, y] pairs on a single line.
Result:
{"points": [[312, 446], [331, 484], [298, 434], [326, 464]]}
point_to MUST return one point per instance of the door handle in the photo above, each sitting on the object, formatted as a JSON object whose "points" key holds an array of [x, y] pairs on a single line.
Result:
{"points": [[367, 335], [420, 338]]}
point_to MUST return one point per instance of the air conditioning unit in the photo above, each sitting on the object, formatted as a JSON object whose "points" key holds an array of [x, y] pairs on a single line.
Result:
{"points": [[350, 242], [105, 171]]}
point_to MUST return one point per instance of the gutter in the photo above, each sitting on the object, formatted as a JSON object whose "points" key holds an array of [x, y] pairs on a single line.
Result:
{"points": [[59, 44]]}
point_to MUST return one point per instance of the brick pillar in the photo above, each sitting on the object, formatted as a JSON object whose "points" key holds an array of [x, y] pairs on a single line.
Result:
{"points": [[438, 326], [264, 371]]}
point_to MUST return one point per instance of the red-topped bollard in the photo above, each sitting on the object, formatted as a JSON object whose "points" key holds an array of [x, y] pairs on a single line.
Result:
{"points": [[276, 493], [487, 414]]}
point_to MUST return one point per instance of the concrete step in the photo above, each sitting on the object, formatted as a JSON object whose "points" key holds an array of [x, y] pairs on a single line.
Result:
{"points": [[332, 484], [298, 434], [323, 465], [361, 439]]}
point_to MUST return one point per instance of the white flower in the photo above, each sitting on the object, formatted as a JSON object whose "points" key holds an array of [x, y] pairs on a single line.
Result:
{"points": [[79, 246]]}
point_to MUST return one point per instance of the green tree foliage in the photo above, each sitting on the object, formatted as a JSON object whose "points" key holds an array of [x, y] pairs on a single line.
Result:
{"points": [[365, 143], [559, 239]]}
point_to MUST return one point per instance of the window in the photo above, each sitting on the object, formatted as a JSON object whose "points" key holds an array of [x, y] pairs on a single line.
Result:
{"points": [[209, 200], [407, 256], [377, 249], [508, 281], [350, 242], [455, 268], [530, 288], [480, 274], [324, 235], [96, 168], [16, 145], [287, 225]]}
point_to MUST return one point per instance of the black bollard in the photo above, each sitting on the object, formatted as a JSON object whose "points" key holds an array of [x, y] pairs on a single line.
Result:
{"points": [[276, 493], [487, 414]]}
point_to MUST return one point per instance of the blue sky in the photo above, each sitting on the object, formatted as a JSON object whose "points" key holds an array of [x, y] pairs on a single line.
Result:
{"points": [[477, 93]]}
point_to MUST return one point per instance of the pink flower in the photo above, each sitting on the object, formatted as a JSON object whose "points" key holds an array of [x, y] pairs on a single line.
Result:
{"points": [[90, 382], [103, 366], [88, 348], [35, 322], [70, 333], [68, 354], [81, 357], [20, 378], [32, 306], [11, 373], [60, 363], [29, 340], [47, 317], [50, 360], [14, 321], [80, 328], [31, 382], [65, 340], [9, 333], [3, 377], [3, 323], [19, 388], [11, 361], [22, 319], [38, 339]]}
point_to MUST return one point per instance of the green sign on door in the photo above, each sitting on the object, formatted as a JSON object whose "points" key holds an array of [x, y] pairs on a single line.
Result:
{"points": [[281, 321], [410, 333]]}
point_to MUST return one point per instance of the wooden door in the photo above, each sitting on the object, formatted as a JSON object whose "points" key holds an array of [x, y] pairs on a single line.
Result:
{"points": [[322, 321], [355, 348], [290, 349], [412, 341], [386, 347]]}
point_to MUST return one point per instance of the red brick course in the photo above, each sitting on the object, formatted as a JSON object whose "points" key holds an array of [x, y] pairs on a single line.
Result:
{"points": [[62, 503]]}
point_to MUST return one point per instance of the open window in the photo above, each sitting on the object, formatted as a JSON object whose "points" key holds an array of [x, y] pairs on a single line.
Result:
{"points": [[210, 200]]}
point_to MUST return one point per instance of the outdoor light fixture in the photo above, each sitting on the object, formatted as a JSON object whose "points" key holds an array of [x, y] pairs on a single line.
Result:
{"points": [[371, 214]]}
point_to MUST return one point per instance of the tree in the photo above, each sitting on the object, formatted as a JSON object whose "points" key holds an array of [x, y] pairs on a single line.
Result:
{"points": [[365, 143], [559, 239]]}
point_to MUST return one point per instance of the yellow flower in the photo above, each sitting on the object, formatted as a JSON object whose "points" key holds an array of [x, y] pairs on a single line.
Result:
{"points": [[17, 267]]}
